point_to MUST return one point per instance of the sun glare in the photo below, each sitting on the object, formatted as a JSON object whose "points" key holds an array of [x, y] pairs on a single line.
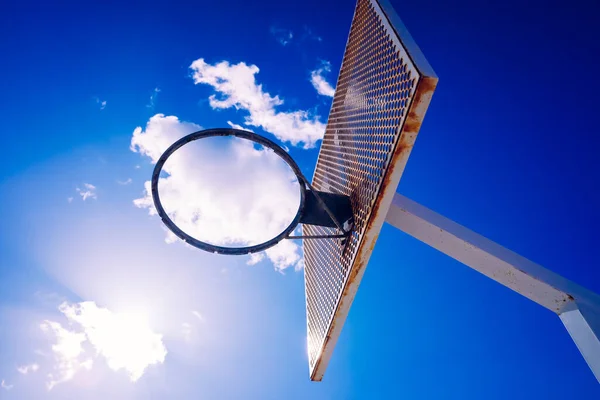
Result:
{"points": [[125, 341]]}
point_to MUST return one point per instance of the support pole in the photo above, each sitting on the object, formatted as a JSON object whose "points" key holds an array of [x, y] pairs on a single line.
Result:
{"points": [[577, 307]]}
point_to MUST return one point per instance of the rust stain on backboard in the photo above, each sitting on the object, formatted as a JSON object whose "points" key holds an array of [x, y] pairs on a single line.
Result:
{"points": [[422, 98], [409, 130]]}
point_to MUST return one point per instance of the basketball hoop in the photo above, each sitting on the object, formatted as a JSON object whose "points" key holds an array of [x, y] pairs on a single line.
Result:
{"points": [[316, 208]]}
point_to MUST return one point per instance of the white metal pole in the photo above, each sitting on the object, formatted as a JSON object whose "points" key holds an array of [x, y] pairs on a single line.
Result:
{"points": [[577, 307]]}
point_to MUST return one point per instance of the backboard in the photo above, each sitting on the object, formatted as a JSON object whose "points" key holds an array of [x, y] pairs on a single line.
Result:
{"points": [[383, 91]]}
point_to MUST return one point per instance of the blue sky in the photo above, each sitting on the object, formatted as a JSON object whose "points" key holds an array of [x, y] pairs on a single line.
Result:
{"points": [[508, 148]]}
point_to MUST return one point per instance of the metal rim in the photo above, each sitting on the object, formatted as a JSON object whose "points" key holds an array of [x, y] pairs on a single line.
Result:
{"points": [[224, 132]]}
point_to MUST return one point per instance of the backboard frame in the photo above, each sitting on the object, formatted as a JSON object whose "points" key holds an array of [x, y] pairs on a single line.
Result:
{"points": [[398, 157]]}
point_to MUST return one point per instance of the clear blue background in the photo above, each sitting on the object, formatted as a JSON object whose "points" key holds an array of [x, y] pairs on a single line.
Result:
{"points": [[509, 148]]}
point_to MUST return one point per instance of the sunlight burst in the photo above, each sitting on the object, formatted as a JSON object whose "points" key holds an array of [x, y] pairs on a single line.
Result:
{"points": [[124, 340]]}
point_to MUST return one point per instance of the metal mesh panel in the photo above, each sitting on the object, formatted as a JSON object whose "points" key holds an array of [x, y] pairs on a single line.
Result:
{"points": [[376, 85]]}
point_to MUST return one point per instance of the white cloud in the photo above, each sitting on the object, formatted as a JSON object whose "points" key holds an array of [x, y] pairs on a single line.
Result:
{"points": [[186, 327], [87, 364], [153, 97], [101, 103], [237, 87], [255, 258], [124, 341], [309, 34], [5, 385], [67, 352], [318, 81], [299, 266], [125, 182], [236, 126], [283, 36], [221, 191], [89, 191], [70, 199], [283, 255], [25, 369], [198, 315], [161, 131]]}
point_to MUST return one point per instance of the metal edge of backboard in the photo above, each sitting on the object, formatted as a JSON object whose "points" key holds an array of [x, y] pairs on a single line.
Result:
{"points": [[409, 44], [416, 112]]}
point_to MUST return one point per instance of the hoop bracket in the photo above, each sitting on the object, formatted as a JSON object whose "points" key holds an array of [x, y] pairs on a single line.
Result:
{"points": [[337, 210], [316, 208]]}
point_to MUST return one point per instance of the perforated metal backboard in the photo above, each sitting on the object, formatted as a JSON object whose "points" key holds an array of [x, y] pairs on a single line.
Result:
{"points": [[382, 93]]}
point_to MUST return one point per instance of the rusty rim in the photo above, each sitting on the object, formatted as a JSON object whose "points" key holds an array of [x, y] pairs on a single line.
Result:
{"points": [[226, 132]]}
